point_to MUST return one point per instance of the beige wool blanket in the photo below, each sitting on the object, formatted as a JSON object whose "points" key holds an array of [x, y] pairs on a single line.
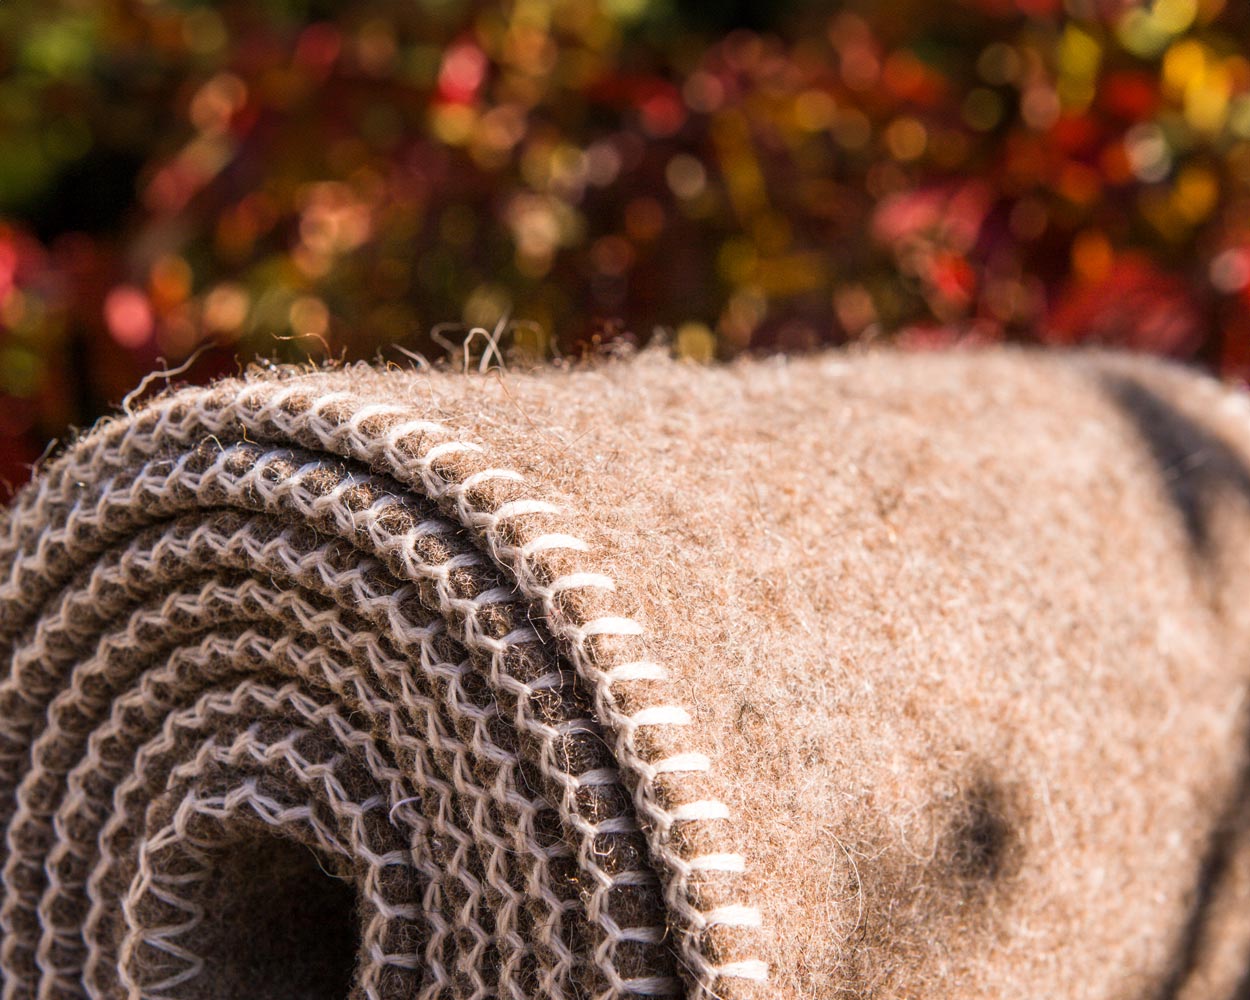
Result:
{"points": [[843, 677]]}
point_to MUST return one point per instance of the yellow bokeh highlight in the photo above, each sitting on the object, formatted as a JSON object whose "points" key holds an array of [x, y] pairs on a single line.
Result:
{"points": [[1181, 63], [453, 123], [1206, 103], [695, 342], [1146, 31], [485, 304], [1195, 194], [1201, 82], [791, 274], [814, 110], [1174, 16], [1079, 58], [906, 138], [309, 316], [226, 308], [531, 340]]}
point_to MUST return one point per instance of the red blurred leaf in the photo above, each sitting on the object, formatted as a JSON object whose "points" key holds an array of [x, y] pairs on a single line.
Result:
{"points": [[1130, 94], [1137, 305]]}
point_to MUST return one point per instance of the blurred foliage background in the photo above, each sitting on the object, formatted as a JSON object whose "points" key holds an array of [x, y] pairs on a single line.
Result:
{"points": [[304, 178]]}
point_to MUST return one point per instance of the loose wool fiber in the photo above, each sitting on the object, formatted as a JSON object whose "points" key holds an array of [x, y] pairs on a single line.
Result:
{"points": [[843, 677]]}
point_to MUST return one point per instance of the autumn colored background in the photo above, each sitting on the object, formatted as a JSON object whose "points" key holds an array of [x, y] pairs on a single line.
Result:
{"points": [[304, 178]]}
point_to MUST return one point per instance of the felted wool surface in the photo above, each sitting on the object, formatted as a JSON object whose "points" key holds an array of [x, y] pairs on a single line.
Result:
{"points": [[842, 677]]}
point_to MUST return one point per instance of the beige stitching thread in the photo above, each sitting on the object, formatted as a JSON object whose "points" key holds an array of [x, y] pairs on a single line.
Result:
{"points": [[520, 532]]}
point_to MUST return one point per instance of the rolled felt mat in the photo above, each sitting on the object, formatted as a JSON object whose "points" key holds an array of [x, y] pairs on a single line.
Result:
{"points": [[843, 676]]}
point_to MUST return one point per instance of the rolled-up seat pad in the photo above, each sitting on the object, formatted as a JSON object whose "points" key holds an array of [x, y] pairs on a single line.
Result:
{"points": [[837, 677]]}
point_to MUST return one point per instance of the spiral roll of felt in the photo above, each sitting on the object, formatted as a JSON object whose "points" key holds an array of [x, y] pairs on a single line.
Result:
{"points": [[836, 677]]}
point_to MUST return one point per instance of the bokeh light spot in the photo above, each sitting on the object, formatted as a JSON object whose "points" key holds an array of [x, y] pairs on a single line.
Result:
{"points": [[128, 316], [695, 342], [1230, 270], [686, 176]]}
